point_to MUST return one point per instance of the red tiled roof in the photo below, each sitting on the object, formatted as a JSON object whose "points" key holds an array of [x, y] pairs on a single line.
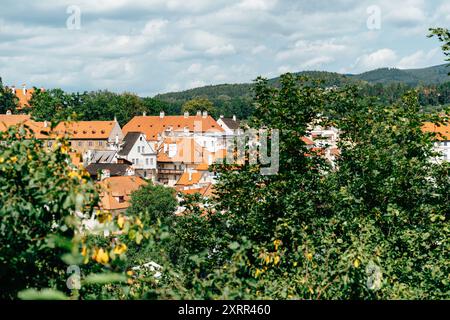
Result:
{"points": [[118, 187], [154, 125], [86, 129], [443, 131]]}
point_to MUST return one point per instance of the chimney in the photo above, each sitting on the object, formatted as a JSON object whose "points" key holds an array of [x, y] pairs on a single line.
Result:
{"points": [[221, 116], [8, 113], [190, 174], [144, 114], [45, 124], [205, 114], [234, 117], [199, 113], [13, 89], [161, 114], [186, 114], [115, 119], [24, 89]]}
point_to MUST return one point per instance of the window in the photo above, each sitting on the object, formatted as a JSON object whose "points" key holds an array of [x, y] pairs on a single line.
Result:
{"points": [[151, 161], [50, 143], [100, 143], [90, 143], [146, 161], [139, 149], [80, 143], [137, 161]]}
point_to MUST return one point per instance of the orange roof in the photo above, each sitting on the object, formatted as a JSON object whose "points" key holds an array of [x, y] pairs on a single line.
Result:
{"points": [[9, 120], [154, 125], [86, 129], [205, 191], [24, 99], [188, 179], [118, 187], [187, 151], [75, 158], [307, 141], [335, 151], [202, 167], [442, 131], [76, 129]]}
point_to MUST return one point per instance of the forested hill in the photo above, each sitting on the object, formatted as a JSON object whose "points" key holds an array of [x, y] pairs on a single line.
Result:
{"points": [[411, 77]]}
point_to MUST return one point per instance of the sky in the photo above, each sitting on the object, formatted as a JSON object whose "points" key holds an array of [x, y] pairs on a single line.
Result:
{"points": [[156, 46]]}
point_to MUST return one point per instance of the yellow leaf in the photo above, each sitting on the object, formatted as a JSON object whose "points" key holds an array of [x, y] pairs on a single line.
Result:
{"points": [[276, 260], [356, 263], [120, 221], [119, 249]]}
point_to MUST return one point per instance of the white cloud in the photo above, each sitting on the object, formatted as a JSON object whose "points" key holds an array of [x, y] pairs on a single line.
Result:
{"points": [[378, 59], [150, 46], [419, 59]]}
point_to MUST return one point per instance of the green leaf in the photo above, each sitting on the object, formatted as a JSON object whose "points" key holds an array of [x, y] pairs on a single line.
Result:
{"points": [[104, 278], [44, 294]]}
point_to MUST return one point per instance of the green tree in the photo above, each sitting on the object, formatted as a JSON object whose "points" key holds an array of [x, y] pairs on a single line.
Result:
{"points": [[199, 104], [55, 105], [8, 100], [444, 36], [153, 202], [40, 196]]}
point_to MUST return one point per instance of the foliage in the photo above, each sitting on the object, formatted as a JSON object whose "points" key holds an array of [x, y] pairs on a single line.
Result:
{"points": [[444, 36], [153, 202], [8, 101], [39, 199], [199, 104], [376, 228]]}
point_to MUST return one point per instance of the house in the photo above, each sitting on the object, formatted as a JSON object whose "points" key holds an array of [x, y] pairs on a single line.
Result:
{"points": [[23, 96], [175, 156], [324, 136], [442, 139], [202, 127], [40, 130], [116, 192], [90, 135], [206, 191], [99, 171], [231, 126], [137, 150]]}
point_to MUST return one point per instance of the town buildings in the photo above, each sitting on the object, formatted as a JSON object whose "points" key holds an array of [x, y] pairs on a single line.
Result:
{"points": [[136, 149], [442, 143]]}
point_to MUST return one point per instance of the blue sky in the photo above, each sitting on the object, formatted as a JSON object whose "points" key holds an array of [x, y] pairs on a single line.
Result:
{"points": [[156, 46]]}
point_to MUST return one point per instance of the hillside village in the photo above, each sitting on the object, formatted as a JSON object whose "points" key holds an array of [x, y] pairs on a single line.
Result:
{"points": [[175, 151]]}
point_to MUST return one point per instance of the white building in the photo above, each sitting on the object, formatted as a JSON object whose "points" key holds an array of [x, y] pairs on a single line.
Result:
{"points": [[201, 127], [137, 150]]}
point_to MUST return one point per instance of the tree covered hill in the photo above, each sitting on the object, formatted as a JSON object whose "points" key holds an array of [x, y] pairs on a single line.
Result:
{"points": [[412, 77]]}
